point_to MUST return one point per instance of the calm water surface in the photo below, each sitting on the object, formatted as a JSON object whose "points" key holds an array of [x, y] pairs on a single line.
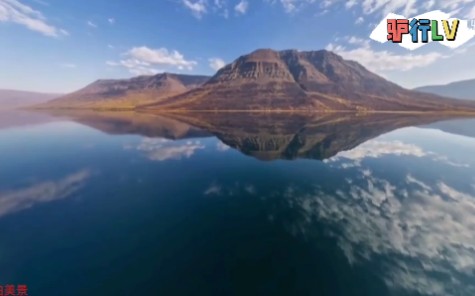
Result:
{"points": [[126, 204]]}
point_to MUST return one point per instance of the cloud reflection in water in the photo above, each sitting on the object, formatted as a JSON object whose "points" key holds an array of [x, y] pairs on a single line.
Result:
{"points": [[162, 149], [17, 200]]}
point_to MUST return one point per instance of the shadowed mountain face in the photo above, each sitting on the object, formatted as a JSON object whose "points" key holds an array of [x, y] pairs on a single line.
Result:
{"points": [[313, 80], [264, 136], [10, 99], [460, 89], [127, 93]]}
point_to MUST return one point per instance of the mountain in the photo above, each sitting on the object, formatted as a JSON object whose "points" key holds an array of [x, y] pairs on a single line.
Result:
{"points": [[303, 80], [11, 99], [462, 127], [280, 135], [127, 93], [460, 89]]}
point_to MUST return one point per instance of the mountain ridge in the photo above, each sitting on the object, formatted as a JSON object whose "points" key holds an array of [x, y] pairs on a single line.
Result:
{"points": [[266, 79], [127, 93]]}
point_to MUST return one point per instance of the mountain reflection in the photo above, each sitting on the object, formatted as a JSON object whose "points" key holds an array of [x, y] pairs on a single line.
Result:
{"points": [[388, 210], [392, 206], [265, 136]]}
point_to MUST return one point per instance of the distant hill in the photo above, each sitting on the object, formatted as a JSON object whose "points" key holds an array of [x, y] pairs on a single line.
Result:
{"points": [[127, 93], [303, 80], [460, 89], [463, 127], [11, 99]]}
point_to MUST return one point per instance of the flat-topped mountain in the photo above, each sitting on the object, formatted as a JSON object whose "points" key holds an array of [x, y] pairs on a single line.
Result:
{"points": [[303, 80], [127, 93]]}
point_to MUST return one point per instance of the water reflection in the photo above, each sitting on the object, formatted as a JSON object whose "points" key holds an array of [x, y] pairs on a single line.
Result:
{"points": [[15, 200], [266, 136], [372, 205], [419, 235], [160, 149]]}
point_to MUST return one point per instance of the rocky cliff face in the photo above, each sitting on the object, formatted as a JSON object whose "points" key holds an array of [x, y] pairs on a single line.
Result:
{"points": [[128, 93], [307, 80]]}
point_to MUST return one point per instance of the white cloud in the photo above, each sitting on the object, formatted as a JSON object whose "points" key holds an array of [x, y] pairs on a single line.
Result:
{"points": [[16, 12], [162, 149], [289, 5], [68, 65], [111, 20], [142, 60], [357, 41], [350, 3], [91, 24], [384, 60], [359, 20], [242, 7], [110, 46], [222, 8], [463, 8], [135, 67], [161, 56], [216, 63], [198, 8]]}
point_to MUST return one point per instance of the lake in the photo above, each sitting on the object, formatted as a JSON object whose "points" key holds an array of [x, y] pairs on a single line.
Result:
{"points": [[119, 203]]}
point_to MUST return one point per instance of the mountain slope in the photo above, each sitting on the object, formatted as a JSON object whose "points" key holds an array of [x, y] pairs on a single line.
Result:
{"points": [[127, 93], [312, 80], [10, 99], [460, 89]]}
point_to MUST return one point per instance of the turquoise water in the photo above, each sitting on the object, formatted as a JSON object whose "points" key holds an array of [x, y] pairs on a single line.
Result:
{"points": [[102, 206]]}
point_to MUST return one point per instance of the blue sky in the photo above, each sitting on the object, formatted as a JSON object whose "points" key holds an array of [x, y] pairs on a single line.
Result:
{"points": [[63, 45]]}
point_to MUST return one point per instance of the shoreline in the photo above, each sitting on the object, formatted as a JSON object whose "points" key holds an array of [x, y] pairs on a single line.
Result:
{"points": [[263, 111]]}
